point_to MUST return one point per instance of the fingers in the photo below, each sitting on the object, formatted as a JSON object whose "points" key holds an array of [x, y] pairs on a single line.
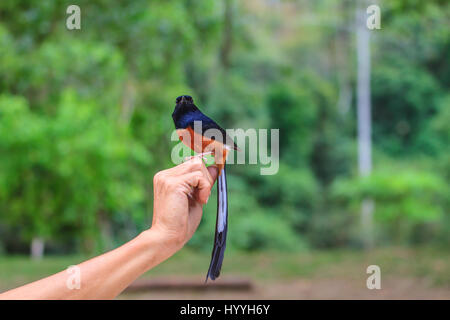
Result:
{"points": [[214, 172], [189, 166], [183, 168], [202, 185], [202, 179], [190, 175], [196, 164]]}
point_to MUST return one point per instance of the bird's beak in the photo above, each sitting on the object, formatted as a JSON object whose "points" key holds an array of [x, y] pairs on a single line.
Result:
{"points": [[183, 100]]}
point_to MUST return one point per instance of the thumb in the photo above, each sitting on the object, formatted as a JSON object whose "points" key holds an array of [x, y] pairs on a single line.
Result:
{"points": [[213, 171]]}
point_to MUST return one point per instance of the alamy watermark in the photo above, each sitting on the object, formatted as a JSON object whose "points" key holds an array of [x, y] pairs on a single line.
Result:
{"points": [[256, 151], [374, 20], [73, 281], [374, 280], [73, 22]]}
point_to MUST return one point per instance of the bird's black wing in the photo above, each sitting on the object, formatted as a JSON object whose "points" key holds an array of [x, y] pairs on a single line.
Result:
{"points": [[207, 124]]}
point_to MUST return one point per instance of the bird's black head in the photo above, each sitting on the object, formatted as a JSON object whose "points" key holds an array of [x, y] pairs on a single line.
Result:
{"points": [[183, 105], [184, 100]]}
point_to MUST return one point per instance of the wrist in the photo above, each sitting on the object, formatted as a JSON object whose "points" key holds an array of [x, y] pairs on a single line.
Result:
{"points": [[157, 242]]}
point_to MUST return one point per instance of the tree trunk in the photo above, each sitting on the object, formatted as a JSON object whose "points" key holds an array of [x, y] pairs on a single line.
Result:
{"points": [[227, 41], [364, 119], [37, 248], [105, 231]]}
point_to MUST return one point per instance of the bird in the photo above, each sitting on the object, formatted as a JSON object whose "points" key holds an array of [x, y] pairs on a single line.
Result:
{"points": [[204, 136]]}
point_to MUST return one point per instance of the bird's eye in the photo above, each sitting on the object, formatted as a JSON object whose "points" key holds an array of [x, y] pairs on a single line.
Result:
{"points": [[178, 99]]}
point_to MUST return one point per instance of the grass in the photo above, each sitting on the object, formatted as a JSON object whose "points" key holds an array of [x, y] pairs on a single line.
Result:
{"points": [[427, 264]]}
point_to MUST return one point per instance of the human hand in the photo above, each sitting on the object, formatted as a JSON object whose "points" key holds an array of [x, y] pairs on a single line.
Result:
{"points": [[179, 195]]}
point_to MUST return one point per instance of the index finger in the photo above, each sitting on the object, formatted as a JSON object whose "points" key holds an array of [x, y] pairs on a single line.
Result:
{"points": [[195, 164]]}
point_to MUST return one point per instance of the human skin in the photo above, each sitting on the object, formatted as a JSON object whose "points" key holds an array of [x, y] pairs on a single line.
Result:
{"points": [[179, 195]]}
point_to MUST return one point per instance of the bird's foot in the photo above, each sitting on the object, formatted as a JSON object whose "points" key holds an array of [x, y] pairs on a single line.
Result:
{"points": [[200, 155]]}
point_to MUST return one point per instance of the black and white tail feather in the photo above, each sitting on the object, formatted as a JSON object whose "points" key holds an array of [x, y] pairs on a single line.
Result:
{"points": [[220, 238]]}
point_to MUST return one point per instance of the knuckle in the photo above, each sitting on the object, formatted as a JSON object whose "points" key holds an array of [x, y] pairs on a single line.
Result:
{"points": [[197, 163], [198, 175], [205, 183], [158, 178]]}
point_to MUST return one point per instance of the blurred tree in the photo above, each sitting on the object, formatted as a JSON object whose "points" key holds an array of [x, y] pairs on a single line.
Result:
{"points": [[63, 174], [404, 199]]}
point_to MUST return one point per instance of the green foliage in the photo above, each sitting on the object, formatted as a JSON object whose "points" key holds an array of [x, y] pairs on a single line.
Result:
{"points": [[295, 112], [400, 118], [63, 171], [250, 226], [404, 198], [263, 231]]}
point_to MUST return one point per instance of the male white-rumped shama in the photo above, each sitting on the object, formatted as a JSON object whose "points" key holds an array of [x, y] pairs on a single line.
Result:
{"points": [[194, 130]]}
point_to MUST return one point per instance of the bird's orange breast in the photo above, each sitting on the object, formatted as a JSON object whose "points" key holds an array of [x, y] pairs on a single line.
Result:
{"points": [[201, 144], [194, 140]]}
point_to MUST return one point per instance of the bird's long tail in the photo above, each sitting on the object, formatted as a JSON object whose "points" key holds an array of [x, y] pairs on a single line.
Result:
{"points": [[220, 238]]}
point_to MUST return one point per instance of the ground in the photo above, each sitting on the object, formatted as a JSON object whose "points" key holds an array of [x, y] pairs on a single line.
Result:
{"points": [[306, 289], [422, 273]]}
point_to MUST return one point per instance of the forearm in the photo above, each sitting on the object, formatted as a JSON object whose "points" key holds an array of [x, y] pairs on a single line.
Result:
{"points": [[105, 276]]}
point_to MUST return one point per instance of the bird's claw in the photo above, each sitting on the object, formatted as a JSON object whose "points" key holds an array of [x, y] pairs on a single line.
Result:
{"points": [[201, 156]]}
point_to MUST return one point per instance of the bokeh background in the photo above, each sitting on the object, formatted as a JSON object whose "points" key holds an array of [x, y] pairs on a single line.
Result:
{"points": [[85, 123]]}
